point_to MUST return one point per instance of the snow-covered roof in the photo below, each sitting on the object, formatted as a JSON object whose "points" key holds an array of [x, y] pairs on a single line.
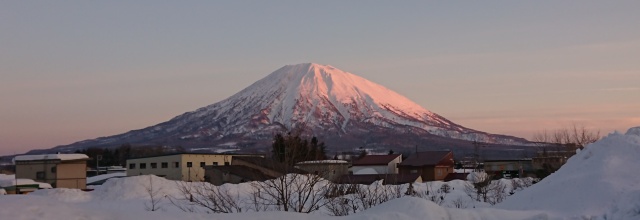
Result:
{"points": [[323, 161], [51, 157]]}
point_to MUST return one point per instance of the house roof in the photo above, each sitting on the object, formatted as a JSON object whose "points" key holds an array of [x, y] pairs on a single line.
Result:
{"points": [[376, 160], [370, 178], [428, 158], [62, 157]]}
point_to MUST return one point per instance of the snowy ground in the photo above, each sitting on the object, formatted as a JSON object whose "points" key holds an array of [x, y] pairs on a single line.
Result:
{"points": [[597, 183]]}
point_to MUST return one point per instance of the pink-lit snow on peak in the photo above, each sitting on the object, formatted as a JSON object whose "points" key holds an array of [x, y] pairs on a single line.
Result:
{"points": [[344, 87]]}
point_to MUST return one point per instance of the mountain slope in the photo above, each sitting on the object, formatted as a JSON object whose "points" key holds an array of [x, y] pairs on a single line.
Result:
{"points": [[321, 100]]}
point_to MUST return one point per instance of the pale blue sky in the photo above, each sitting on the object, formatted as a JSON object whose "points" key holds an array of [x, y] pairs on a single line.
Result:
{"points": [[74, 70]]}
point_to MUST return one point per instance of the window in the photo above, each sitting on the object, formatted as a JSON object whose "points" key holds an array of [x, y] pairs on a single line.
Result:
{"points": [[164, 165], [132, 166], [215, 163], [201, 164], [226, 163], [143, 165], [154, 165], [40, 175], [189, 164], [53, 169], [414, 171], [176, 164]]}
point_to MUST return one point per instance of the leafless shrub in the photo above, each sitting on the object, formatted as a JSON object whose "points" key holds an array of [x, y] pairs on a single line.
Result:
{"points": [[367, 196], [215, 199], [292, 192], [341, 206], [459, 203], [445, 188], [482, 189], [436, 195], [497, 192], [478, 187], [155, 197]]}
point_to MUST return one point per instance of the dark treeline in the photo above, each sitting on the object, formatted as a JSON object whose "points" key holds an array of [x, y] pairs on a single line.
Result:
{"points": [[291, 149]]}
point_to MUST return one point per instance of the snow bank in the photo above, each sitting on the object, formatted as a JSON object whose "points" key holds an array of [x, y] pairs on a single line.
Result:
{"points": [[592, 183], [10, 180], [134, 187], [104, 177], [65, 195]]}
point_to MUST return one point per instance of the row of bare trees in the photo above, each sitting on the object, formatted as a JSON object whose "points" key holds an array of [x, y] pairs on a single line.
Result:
{"points": [[574, 136], [306, 193]]}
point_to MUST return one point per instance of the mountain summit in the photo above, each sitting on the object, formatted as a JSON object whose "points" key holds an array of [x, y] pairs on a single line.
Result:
{"points": [[343, 109]]}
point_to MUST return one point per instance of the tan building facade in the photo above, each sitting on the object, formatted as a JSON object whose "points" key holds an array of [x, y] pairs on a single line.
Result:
{"points": [[59, 170], [185, 166]]}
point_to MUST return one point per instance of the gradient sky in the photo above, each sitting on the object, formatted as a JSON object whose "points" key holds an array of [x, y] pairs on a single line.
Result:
{"points": [[75, 70]]}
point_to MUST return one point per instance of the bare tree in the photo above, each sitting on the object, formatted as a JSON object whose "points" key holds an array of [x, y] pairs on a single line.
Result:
{"points": [[573, 137], [155, 197], [558, 145], [214, 199], [292, 192]]}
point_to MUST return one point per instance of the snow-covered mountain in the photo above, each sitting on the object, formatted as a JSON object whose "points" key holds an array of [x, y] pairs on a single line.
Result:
{"points": [[343, 109]]}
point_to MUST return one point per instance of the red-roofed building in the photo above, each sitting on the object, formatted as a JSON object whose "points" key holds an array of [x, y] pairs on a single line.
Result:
{"points": [[431, 165], [377, 164]]}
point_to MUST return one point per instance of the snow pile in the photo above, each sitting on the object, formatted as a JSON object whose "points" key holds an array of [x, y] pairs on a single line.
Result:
{"points": [[9, 180], [600, 180], [102, 177], [134, 187], [65, 195]]}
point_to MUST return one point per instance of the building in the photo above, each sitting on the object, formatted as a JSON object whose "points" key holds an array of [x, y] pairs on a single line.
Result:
{"points": [[179, 166], [376, 164], [431, 165], [552, 160], [245, 169], [218, 175], [509, 168], [58, 170], [330, 170]]}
